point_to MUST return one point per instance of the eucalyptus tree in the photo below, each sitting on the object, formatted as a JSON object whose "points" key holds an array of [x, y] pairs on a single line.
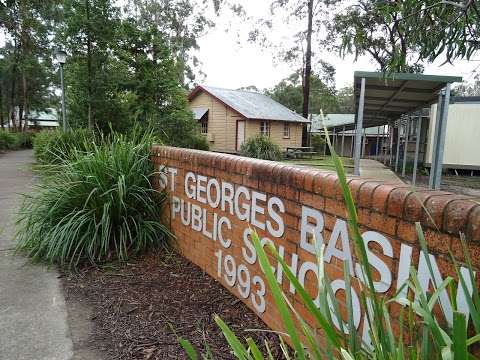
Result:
{"points": [[27, 26], [402, 35], [306, 19], [182, 22]]}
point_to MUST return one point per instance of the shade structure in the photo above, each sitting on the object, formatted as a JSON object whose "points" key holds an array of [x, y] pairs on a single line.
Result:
{"points": [[383, 98]]}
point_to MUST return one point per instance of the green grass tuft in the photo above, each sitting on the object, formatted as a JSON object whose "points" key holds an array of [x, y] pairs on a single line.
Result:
{"points": [[98, 206]]}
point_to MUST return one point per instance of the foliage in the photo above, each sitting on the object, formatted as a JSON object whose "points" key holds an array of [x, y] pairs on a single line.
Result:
{"points": [[15, 140], [399, 35], [317, 142], [422, 333], [289, 91], [305, 19], [8, 140], [56, 147], [181, 22], [261, 147], [25, 58], [345, 100], [96, 207]]}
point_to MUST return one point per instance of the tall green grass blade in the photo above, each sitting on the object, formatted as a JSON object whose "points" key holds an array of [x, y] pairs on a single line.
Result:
{"points": [[459, 336], [278, 297], [239, 350], [187, 346]]}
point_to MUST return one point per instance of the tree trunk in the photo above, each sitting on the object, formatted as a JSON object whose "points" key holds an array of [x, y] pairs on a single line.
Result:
{"points": [[307, 72], [25, 102], [2, 123], [89, 65]]}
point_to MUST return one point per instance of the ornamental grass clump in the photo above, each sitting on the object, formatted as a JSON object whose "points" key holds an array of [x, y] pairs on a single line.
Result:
{"points": [[55, 147], [98, 206]]}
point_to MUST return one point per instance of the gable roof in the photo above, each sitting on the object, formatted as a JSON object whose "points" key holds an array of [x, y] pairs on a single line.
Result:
{"points": [[250, 105]]}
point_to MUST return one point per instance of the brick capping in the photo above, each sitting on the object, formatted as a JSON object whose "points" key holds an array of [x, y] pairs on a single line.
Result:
{"points": [[449, 213]]}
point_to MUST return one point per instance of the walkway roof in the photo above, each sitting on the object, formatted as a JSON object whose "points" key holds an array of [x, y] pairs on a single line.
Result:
{"points": [[388, 96]]}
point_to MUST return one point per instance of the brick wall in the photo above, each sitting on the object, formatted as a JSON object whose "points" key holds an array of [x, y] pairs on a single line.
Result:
{"points": [[286, 205]]}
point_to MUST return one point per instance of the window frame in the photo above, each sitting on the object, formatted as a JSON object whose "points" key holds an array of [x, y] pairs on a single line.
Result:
{"points": [[286, 130], [204, 126], [265, 128]]}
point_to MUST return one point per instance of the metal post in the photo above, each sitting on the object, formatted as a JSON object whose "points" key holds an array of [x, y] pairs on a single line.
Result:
{"points": [[378, 139], [64, 115], [435, 140], [390, 135], [358, 132], [417, 148], [405, 146], [441, 140], [343, 139], [364, 143], [334, 140], [398, 144]]}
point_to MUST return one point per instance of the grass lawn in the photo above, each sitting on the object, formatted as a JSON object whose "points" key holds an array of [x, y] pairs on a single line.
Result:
{"points": [[322, 162]]}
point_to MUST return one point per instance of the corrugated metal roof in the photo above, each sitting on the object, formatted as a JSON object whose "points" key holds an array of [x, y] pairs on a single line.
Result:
{"points": [[254, 105], [331, 120], [198, 112]]}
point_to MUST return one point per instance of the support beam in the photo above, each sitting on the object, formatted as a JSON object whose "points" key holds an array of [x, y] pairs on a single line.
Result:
{"points": [[417, 148], [437, 180], [343, 139], [378, 139], [399, 128], [405, 146], [358, 132], [390, 136], [364, 143], [436, 135]]}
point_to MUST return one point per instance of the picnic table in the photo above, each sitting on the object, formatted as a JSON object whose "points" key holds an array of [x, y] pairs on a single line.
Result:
{"points": [[298, 152]]}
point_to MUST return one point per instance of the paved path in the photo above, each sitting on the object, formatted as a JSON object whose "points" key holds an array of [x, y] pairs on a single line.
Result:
{"points": [[374, 169], [33, 319]]}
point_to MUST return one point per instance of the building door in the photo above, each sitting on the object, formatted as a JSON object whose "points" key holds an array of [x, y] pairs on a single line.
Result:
{"points": [[240, 134]]}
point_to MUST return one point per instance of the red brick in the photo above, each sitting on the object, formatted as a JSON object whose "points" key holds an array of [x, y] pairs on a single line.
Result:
{"points": [[434, 210], [456, 216], [380, 197], [473, 225], [365, 193], [396, 201]]}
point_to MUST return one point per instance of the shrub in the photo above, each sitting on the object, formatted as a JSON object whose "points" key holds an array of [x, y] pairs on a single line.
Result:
{"points": [[261, 147], [8, 141], [96, 207], [54, 147], [318, 143]]}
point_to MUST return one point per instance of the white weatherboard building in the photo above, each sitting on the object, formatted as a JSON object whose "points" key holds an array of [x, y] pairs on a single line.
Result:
{"points": [[462, 140]]}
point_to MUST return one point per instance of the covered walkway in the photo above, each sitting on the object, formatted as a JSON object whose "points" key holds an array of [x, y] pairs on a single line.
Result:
{"points": [[397, 100]]}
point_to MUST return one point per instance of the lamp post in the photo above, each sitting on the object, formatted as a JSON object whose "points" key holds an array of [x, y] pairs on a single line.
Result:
{"points": [[61, 57]]}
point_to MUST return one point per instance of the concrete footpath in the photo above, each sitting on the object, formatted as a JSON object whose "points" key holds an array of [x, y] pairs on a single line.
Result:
{"points": [[373, 169], [33, 318]]}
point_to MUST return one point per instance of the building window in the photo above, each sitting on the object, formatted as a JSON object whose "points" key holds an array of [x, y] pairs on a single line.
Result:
{"points": [[286, 130], [204, 126], [265, 128]]}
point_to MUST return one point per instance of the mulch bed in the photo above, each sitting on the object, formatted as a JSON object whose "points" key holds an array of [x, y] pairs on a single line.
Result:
{"points": [[138, 308]]}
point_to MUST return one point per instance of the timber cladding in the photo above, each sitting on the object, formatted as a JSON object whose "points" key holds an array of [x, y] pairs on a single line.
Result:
{"points": [[217, 199]]}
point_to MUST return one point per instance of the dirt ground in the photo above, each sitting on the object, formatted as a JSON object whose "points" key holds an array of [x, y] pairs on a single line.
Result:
{"points": [[137, 311], [465, 185]]}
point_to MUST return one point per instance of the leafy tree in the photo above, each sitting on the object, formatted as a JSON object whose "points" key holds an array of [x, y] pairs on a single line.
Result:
{"points": [[308, 17], [345, 100], [88, 29], [181, 22], [26, 58], [399, 35], [289, 92]]}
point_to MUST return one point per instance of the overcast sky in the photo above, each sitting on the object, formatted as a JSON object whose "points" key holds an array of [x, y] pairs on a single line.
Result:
{"points": [[227, 64]]}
